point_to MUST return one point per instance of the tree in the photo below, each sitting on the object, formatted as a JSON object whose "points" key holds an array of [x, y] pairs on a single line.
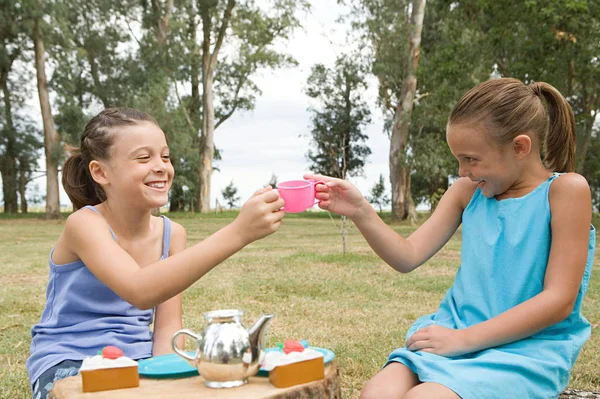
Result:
{"points": [[378, 195], [337, 123], [251, 33], [339, 119], [19, 138], [392, 30], [402, 202], [51, 136], [12, 47], [555, 41], [229, 194], [273, 181]]}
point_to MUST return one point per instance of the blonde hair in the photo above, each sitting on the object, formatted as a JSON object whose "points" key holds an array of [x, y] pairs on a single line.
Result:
{"points": [[507, 108]]}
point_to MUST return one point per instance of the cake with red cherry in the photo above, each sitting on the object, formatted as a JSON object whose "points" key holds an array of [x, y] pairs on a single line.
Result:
{"points": [[109, 370], [294, 364]]}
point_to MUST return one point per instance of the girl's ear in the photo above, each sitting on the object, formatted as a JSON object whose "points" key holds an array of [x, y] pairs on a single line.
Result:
{"points": [[98, 173], [521, 146]]}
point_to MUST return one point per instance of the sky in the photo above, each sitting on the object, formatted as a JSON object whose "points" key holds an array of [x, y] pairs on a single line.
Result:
{"points": [[274, 137]]}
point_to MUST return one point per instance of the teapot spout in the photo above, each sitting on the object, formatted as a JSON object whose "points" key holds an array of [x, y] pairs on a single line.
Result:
{"points": [[257, 335]]}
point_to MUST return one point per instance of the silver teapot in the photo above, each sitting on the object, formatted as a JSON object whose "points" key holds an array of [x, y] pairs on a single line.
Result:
{"points": [[226, 353]]}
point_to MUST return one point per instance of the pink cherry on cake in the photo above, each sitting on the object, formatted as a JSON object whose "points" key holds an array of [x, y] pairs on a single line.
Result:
{"points": [[111, 352], [290, 345]]}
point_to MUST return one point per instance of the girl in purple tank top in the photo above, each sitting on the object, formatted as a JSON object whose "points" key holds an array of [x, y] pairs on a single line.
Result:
{"points": [[111, 275]]}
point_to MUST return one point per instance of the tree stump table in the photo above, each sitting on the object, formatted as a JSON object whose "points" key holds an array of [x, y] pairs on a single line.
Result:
{"points": [[578, 394], [193, 387]]}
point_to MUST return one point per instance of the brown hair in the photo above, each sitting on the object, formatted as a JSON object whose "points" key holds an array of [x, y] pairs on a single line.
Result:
{"points": [[507, 107], [96, 142]]}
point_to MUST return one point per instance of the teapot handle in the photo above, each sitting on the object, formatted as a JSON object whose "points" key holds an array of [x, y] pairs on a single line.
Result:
{"points": [[178, 350]]}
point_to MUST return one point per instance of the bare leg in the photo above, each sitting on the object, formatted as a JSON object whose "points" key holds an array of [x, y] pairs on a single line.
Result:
{"points": [[431, 390], [390, 383]]}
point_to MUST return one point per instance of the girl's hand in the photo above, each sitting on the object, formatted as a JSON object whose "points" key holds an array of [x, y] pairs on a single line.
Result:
{"points": [[338, 196], [261, 215], [439, 340]]}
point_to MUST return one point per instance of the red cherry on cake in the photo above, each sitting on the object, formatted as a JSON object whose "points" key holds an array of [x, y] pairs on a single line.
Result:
{"points": [[111, 352], [292, 346]]}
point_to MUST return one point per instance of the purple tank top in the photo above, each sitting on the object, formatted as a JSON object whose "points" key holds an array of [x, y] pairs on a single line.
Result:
{"points": [[82, 315]]}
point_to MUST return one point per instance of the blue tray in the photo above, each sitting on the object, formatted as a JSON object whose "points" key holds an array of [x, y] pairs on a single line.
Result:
{"points": [[174, 366]]}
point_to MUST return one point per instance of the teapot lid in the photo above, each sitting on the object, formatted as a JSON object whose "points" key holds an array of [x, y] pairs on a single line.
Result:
{"points": [[223, 315]]}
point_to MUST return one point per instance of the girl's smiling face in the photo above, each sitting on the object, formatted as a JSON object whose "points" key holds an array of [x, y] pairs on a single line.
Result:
{"points": [[140, 168], [491, 166]]}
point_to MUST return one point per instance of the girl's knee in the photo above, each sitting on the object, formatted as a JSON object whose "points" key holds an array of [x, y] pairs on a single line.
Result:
{"points": [[431, 390], [373, 390], [390, 383]]}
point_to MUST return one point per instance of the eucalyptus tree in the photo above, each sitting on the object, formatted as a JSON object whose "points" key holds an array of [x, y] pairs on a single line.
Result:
{"points": [[230, 196], [339, 118], [52, 139], [19, 141], [392, 30], [29, 142], [338, 121], [12, 45], [238, 39], [378, 196], [453, 60]]}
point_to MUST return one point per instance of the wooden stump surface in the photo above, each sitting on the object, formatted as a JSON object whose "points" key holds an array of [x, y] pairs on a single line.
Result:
{"points": [[578, 393], [193, 387]]}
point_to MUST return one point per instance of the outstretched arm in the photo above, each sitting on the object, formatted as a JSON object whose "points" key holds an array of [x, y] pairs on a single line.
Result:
{"points": [[404, 255], [90, 240], [571, 208]]}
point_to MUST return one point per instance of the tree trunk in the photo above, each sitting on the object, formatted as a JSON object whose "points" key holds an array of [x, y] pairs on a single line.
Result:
{"points": [[207, 145], [23, 178], [51, 137], [402, 203], [209, 62], [585, 140], [8, 162], [161, 21]]}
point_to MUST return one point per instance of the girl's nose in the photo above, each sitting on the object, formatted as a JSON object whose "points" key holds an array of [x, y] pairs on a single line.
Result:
{"points": [[462, 172], [159, 166]]}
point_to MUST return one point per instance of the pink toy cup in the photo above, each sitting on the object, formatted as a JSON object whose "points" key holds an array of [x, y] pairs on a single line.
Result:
{"points": [[299, 195]]}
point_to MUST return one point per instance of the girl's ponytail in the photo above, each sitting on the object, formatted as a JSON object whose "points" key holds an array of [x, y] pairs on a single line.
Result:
{"points": [[77, 181], [559, 146]]}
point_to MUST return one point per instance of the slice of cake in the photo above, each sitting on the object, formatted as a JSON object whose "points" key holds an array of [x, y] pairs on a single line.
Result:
{"points": [[109, 370], [294, 367]]}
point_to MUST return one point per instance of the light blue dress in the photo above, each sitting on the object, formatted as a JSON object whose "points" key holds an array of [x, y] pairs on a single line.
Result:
{"points": [[505, 250]]}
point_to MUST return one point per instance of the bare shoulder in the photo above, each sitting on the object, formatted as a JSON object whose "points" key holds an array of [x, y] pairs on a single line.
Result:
{"points": [[570, 187], [81, 220], [82, 228], [178, 238], [177, 230], [570, 199], [463, 190]]}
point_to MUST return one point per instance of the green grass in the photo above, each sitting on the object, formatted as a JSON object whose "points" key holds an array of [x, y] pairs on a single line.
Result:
{"points": [[354, 304]]}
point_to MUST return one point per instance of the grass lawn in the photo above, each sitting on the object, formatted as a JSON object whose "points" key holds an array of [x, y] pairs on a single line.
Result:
{"points": [[354, 304]]}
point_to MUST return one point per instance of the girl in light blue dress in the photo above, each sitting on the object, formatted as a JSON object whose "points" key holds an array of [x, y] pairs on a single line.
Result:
{"points": [[510, 327]]}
